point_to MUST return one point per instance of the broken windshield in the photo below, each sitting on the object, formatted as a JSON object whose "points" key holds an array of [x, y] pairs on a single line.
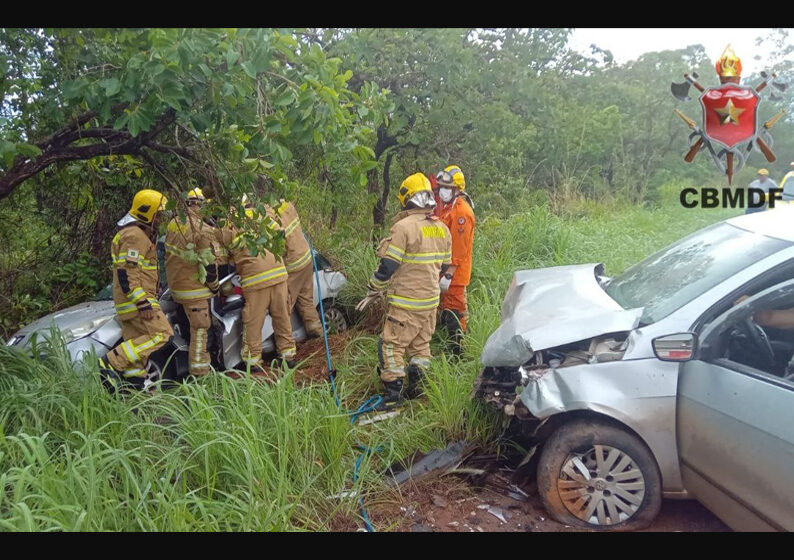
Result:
{"points": [[671, 278]]}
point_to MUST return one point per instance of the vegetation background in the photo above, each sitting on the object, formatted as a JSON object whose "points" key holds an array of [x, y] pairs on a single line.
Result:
{"points": [[569, 159]]}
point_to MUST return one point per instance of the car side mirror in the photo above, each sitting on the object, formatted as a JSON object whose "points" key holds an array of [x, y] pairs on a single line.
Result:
{"points": [[679, 347]]}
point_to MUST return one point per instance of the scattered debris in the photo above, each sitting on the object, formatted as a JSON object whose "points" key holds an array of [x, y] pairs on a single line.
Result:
{"points": [[421, 528], [342, 495], [443, 460], [378, 417], [497, 513], [438, 501]]}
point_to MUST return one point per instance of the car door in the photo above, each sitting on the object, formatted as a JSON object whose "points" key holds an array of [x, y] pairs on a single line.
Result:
{"points": [[735, 427]]}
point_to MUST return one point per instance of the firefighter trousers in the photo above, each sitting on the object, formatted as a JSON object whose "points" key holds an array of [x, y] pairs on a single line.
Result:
{"points": [[198, 314], [258, 303], [141, 338], [301, 295], [406, 334]]}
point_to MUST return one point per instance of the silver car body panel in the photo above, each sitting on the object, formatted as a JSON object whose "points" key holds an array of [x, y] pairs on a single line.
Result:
{"points": [[740, 459], [568, 299], [640, 394], [70, 318]]}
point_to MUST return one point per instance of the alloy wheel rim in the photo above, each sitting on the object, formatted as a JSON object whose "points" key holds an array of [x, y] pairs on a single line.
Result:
{"points": [[335, 321], [601, 486]]}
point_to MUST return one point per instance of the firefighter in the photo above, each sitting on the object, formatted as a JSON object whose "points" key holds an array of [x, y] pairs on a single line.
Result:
{"points": [[182, 271], [455, 208], [412, 258], [144, 327], [298, 261], [264, 282]]}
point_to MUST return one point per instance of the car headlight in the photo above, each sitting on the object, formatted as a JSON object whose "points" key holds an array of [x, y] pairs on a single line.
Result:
{"points": [[76, 333]]}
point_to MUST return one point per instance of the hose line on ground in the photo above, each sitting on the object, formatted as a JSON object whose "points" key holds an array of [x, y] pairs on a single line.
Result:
{"points": [[368, 405]]}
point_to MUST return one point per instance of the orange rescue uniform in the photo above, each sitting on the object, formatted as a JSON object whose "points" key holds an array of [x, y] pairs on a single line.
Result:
{"points": [[458, 216]]}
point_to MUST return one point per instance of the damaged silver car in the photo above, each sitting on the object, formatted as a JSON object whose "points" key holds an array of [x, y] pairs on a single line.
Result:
{"points": [[92, 327], [656, 383]]}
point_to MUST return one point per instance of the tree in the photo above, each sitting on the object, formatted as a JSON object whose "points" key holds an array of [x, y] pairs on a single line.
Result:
{"points": [[226, 103]]}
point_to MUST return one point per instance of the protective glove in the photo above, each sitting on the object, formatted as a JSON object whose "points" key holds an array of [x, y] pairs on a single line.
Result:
{"points": [[214, 287], [444, 283], [372, 295], [145, 309]]}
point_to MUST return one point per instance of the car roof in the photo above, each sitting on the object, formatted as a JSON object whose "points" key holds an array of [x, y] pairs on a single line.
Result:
{"points": [[778, 223]]}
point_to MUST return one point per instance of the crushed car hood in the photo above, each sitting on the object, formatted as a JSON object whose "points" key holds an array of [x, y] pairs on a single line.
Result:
{"points": [[550, 307]]}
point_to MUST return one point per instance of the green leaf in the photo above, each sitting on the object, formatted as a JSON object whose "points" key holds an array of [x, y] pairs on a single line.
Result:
{"points": [[28, 150], [121, 122], [249, 69], [231, 57], [134, 123], [75, 88], [285, 98], [112, 86], [8, 151], [153, 67], [367, 165]]}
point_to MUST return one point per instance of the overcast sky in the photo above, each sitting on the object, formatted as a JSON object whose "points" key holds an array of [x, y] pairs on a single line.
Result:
{"points": [[629, 43]]}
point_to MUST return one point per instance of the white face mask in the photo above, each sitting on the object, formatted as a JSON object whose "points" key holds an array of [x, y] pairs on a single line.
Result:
{"points": [[445, 194]]}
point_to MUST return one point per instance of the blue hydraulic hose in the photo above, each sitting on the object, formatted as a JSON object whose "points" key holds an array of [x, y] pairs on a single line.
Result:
{"points": [[367, 406]]}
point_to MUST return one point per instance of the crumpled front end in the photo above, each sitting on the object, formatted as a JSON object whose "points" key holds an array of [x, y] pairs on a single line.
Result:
{"points": [[551, 307], [515, 390]]}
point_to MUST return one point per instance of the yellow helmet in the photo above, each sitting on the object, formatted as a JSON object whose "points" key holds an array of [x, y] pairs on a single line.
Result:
{"points": [[763, 172], [146, 203], [452, 176], [196, 195], [412, 186]]}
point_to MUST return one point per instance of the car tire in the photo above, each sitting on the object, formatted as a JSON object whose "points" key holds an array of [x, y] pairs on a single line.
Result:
{"points": [[626, 496], [335, 319]]}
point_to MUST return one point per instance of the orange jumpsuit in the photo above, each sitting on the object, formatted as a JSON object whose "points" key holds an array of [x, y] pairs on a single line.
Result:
{"points": [[458, 216]]}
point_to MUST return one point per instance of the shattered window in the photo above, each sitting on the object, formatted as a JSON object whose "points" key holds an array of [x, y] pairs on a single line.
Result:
{"points": [[671, 278]]}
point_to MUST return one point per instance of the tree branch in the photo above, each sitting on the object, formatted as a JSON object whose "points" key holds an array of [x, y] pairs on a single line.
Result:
{"points": [[57, 149]]}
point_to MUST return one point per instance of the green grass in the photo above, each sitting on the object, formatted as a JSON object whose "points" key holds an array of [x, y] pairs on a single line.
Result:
{"points": [[241, 455]]}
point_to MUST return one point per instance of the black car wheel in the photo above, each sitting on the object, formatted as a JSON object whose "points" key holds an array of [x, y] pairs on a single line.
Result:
{"points": [[596, 475]]}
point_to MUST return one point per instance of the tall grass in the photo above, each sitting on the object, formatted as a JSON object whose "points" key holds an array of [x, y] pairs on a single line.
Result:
{"points": [[223, 454]]}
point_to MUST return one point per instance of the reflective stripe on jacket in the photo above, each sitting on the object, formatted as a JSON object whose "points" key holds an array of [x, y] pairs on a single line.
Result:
{"points": [[182, 273], [256, 271], [420, 243], [297, 253], [132, 252]]}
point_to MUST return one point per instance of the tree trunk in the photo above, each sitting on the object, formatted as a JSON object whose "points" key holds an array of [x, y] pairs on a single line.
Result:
{"points": [[379, 212]]}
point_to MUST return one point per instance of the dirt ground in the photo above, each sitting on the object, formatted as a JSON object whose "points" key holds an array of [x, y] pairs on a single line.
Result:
{"points": [[451, 504], [311, 360]]}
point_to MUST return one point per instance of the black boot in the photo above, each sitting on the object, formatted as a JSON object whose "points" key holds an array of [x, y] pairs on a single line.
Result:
{"points": [[451, 320], [114, 381], [415, 375], [392, 395]]}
